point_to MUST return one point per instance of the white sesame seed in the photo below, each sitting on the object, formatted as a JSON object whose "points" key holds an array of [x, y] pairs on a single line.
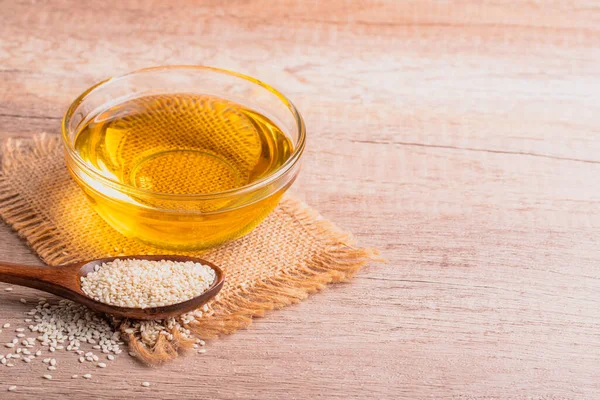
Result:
{"points": [[9, 289], [126, 283], [101, 365], [23, 301], [51, 368], [53, 362], [47, 376], [87, 376], [110, 357], [145, 384], [7, 325], [9, 345], [12, 388], [202, 351]]}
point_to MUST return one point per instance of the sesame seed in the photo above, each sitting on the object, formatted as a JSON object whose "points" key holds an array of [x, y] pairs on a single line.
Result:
{"points": [[87, 376], [48, 376], [51, 368], [9, 345], [7, 325], [101, 365], [110, 357], [9, 289], [145, 384], [74, 376], [12, 388], [23, 301], [143, 283]]}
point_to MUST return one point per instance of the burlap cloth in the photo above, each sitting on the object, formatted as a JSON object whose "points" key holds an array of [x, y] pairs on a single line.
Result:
{"points": [[293, 253]]}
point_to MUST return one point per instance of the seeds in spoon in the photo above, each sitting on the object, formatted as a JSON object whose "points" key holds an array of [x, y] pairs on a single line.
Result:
{"points": [[144, 283]]}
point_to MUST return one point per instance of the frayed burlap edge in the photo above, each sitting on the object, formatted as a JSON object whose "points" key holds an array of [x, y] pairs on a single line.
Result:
{"points": [[339, 263]]}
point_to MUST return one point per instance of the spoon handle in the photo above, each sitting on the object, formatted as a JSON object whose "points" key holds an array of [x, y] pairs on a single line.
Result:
{"points": [[57, 280]]}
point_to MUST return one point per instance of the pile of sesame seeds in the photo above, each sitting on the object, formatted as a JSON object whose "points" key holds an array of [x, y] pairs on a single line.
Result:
{"points": [[69, 327], [143, 283]]}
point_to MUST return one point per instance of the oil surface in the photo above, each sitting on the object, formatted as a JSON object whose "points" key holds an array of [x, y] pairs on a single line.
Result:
{"points": [[182, 144]]}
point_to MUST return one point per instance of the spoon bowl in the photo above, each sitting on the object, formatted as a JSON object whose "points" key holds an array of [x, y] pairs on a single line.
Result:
{"points": [[65, 281]]}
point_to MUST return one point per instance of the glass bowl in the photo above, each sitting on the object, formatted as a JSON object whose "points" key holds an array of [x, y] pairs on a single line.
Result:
{"points": [[183, 221]]}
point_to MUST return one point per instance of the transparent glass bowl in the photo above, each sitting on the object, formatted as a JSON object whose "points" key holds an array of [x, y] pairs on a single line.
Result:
{"points": [[173, 221]]}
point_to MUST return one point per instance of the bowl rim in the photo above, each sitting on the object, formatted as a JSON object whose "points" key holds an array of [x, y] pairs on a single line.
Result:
{"points": [[258, 184]]}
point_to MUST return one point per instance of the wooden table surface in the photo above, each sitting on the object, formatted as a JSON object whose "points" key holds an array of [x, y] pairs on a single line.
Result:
{"points": [[461, 138]]}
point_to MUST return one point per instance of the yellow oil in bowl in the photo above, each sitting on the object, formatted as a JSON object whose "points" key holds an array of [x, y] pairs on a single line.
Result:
{"points": [[180, 170]]}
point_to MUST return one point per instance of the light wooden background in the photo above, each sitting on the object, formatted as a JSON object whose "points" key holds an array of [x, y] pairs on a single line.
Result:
{"points": [[462, 138]]}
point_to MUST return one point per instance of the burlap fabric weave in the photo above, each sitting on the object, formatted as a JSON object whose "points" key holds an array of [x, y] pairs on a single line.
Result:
{"points": [[291, 254]]}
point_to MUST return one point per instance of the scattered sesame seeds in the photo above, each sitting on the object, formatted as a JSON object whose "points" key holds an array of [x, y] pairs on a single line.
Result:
{"points": [[143, 283]]}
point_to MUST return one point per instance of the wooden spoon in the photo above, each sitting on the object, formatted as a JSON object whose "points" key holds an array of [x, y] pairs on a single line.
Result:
{"points": [[65, 281]]}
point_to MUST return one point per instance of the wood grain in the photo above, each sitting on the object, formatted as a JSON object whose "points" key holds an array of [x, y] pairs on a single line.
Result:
{"points": [[460, 137]]}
